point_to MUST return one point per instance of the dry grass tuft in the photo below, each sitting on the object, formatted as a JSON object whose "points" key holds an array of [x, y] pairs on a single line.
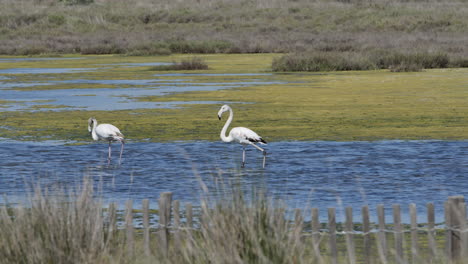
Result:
{"points": [[191, 64], [74, 229], [238, 231], [56, 229]]}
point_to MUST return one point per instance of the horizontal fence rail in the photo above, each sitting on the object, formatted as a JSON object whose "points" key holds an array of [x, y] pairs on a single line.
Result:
{"points": [[330, 242]]}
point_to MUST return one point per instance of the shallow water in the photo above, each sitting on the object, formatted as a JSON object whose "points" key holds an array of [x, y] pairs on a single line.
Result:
{"points": [[304, 174], [106, 99], [118, 94], [44, 70], [11, 60]]}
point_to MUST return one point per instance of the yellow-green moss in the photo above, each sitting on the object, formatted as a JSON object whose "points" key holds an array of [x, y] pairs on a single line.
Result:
{"points": [[370, 105]]}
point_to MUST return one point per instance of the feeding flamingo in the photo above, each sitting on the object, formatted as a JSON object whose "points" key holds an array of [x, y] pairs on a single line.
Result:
{"points": [[240, 135], [106, 132]]}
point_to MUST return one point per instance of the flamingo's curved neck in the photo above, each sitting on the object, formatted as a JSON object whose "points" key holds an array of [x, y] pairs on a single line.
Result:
{"points": [[93, 133], [223, 131]]}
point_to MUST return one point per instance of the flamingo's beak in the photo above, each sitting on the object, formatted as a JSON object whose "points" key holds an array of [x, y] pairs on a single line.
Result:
{"points": [[219, 117]]}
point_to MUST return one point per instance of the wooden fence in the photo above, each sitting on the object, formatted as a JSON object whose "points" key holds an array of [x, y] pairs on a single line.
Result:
{"points": [[373, 238]]}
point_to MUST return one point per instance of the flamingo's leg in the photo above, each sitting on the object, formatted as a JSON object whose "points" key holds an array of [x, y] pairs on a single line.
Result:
{"points": [[262, 150], [259, 148], [109, 156], [243, 156], [121, 150]]}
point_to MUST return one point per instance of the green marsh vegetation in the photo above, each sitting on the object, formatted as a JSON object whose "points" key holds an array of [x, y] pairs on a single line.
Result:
{"points": [[352, 105]]}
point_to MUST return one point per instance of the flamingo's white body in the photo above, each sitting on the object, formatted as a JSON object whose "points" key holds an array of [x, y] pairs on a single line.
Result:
{"points": [[106, 132], [240, 135]]}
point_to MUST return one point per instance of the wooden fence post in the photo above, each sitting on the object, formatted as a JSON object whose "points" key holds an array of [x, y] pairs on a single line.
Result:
{"points": [[398, 231], [189, 215], [349, 229], [332, 231], [146, 229], [112, 222], [431, 231], [176, 212], [463, 231], [455, 219], [316, 234], [382, 244], [165, 201], [129, 227], [366, 230], [414, 233], [448, 231], [298, 223]]}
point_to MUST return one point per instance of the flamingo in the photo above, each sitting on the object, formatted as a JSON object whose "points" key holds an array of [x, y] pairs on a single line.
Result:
{"points": [[240, 135], [106, 132]]}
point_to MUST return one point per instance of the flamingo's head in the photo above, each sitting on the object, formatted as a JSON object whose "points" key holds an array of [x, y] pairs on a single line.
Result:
{"points": [[223, 109], [91, 121]]}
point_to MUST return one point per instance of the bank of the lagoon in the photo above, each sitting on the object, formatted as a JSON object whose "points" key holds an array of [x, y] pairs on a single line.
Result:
{"points": [[40, 103]]}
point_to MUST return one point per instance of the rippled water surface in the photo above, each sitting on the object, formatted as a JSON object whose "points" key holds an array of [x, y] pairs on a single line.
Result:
{"points": [[304, 174]]}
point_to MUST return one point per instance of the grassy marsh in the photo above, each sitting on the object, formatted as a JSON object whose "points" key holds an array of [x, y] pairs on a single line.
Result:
{"points": [[364, 105]]}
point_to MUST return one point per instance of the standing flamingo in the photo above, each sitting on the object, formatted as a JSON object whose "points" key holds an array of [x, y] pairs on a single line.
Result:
{"points": [[240, 135], [106, 132]]}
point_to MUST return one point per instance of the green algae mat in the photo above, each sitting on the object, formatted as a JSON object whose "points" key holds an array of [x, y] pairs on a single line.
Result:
{"points": [[340, 106]]}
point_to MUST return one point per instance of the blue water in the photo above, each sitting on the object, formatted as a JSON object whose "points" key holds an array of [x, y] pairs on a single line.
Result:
{"points": [[12, 60], [119, 95], [108, 94], [105, 99], [44, 70], [304, 174]]}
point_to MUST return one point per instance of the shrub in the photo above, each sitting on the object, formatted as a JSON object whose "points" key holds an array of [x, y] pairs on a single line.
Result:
{"points": [[459, 62], [406, 67], [30, 50], [77, 2], [187, 64], [213, 46], [322, 61], [345, 61], [413, 60], [149, 49], [101, 48], [56, 19]]}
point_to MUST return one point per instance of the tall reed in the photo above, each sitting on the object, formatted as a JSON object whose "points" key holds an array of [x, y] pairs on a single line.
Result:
{"points": [[238, 231], [57, 229], [74, 228]]}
